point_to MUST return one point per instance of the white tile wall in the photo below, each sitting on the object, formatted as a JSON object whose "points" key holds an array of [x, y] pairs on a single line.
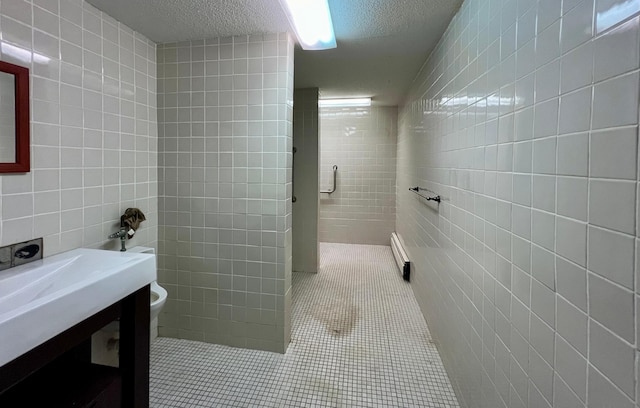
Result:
{"points": [[93, 126], [525, 119], [362, 143], [225, 131]]}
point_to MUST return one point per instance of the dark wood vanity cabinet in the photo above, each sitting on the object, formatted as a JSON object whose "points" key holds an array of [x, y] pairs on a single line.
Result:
{"points": [[59, 372], [67, 382]]}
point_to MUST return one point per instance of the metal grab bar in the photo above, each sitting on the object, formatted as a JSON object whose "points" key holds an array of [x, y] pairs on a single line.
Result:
{"points": [[418, 189], [335, 171]]}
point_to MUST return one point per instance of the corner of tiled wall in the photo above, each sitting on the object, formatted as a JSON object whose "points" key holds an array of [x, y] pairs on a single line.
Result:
{"points": [[225, 138], [525, 120], [93, 126]]}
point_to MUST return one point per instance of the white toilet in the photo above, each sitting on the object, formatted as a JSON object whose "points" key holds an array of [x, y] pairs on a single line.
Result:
{"points": [[158, 299], [104, 343], [158, 293]]}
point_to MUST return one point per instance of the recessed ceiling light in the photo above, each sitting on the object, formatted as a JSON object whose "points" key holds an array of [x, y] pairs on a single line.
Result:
{"points": [[326, 103], [311, 20]]}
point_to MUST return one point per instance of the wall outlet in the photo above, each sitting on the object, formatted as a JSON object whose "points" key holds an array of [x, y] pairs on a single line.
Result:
{"points": [[26, 252]]}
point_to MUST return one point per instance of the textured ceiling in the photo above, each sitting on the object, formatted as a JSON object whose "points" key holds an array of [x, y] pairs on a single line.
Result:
{"points": [[176, 20], [381, 43]]}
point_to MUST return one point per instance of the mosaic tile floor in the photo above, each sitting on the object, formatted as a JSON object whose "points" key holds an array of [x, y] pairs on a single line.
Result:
{"points": [[359, 340]]}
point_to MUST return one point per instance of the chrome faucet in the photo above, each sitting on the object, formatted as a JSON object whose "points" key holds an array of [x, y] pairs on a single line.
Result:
{"points": [[122, 234]]}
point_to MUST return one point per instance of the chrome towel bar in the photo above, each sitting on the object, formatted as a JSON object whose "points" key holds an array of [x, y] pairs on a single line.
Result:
{"points": [[435, 197]]}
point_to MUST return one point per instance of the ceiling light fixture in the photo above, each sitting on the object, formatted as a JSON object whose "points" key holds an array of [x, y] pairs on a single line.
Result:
{"points": [[311, 20], [328, 103]]}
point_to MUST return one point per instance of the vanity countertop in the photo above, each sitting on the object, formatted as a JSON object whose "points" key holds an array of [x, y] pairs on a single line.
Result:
{"points": [[42, 299]]}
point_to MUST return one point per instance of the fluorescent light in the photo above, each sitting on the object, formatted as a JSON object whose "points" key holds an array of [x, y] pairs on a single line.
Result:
{"points": [[311, 20], [327, 103]]}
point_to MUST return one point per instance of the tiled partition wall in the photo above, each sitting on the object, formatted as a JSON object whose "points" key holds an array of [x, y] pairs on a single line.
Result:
{"points": [[305, 181], [225, 115], [525, 120], [93, 126], [362, 143]]}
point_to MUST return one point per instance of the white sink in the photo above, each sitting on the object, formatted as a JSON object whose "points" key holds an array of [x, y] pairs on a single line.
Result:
{"points": [[42, 299]]}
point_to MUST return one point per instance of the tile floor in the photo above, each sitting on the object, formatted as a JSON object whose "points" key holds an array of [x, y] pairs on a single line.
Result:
{"points": [[359, 340]]}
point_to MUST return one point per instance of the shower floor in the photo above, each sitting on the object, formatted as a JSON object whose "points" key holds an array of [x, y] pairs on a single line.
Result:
{"points": [[358, 340]]}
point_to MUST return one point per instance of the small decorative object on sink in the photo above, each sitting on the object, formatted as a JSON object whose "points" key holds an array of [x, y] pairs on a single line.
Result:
{"points": [[21, 253], [132, 218], [129, 224]]}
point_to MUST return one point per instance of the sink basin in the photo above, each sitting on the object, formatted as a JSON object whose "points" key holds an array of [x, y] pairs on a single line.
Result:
{"points": [[42, 299]]}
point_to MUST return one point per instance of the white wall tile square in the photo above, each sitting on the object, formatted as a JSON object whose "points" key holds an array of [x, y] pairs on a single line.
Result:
{"points": [[612, 306], [546, 118], [577, 68], [561, 217], [614, 153], [611, 255], [612, 204], [544, 193], [575, 112], [603, 392], [572, 325], [573, 155], [571, 367], [572, 195], [615, 102], [612, 357], [544, 155], [543, 266], [572, 282]]}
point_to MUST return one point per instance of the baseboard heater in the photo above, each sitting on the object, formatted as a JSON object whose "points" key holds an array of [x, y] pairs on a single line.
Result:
{"points": [[400, 255]]}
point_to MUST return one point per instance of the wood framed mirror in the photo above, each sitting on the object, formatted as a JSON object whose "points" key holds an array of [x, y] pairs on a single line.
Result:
{"points": [[14, 118]]}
